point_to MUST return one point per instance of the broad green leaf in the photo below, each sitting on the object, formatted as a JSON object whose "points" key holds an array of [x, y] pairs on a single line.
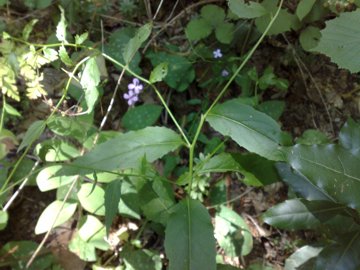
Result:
{"points": [[309, 38], [32, 134], [251, 129], [64, 57], [343, 255], [48, 216], [28, 29], [349, 136], [224, 32], [141, 116], [303, 8], [3, 219], [85, 251], [331, 168], [189, 237], [93, 232], [125, 151], [273, 108], [213, 15], [90, 79], [198, 29], [313, 136], [112, 199], [11, 110], [340, 39], [80, 39], [47, 181], [299, 214], [301, 256], [135, 43], [232, 233], [143, 259], [283, 23], [129, 205], [300, 184], [92, 199], [156, 200], [246, 10], [159, 72], [61, 27]]}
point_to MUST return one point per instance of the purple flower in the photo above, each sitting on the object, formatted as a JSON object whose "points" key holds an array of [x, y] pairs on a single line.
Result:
{"points": [[225, 73], [217, 53], [131, 97], [136, 86]]}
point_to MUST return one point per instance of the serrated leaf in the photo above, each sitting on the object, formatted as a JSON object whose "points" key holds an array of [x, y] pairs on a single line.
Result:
{"points": [[112, 199], [92, 231], [61, 27], [349, 136], [80, 39], [32, 134], [64, 57], [92, 199], [198, 29], [213, 15], [48, 216], [47, 181], [125, 151], [301, 256], [135, 43], [246, 10], [298, 214], [340, 40], [224, 32], [232, 233], [331, 168], [3, 219], [159, 72], [309, 38], [303, 8], [251, 129], [28, 29], [90, 79], [141, 116], [50, 54], [195, 249]]}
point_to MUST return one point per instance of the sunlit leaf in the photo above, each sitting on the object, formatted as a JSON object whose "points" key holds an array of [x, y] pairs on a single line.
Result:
{"points": [[134, 44], [92, 198], [61, 27]]}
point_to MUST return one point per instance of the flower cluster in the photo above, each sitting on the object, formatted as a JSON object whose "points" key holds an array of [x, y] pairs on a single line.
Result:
{"points": [[217, 53], [135, 88]]}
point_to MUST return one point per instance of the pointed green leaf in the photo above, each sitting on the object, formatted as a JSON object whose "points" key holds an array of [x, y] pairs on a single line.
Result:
{"points": [[189, 238], [125, 151], [92, 199], [28, 29], [112, 199], [332, 169], [251, 129], [135, 43], [300, 214], [159, 72], [246, 10], [33, 133], [304, 8], [349, 136], [301, 256], [11, 110], [90, 79], [48, 216], [64, 57], [80, 39], [61, 27]]}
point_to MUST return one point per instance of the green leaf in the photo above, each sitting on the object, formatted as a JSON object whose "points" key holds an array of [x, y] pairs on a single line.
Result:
{"points": [[92, 199], [224, 32], [251, 129], [129, 205], [273, 108], [309, 38], [198, 29], [331, 168], [28, 29], [221, 163], [299, 214], [303, 8], [189, 237], [64, 57], [61, 27], [349, 136], [343, 255], [340, 39], [54, 150], [80, 39], [50, 54], [213, 15], [135, 43], [40, 4], [141, 116], [313, 136], [90, 79], [82, 249], [112, 199], [140, 259], [125, 151], [159, 72], [3, 219], [33, 133], [93, 232], [301, 256], [47, 181], [246, 10], [232, 233], [11, 110], [48, 216]]}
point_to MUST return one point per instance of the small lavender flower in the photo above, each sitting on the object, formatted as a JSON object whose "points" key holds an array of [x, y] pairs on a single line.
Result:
{"points": [[217, 53], [225, 73], [136, 86], [131, 97]]}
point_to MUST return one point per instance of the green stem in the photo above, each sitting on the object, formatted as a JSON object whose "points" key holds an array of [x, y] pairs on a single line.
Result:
{"points": [[2, 114]]}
